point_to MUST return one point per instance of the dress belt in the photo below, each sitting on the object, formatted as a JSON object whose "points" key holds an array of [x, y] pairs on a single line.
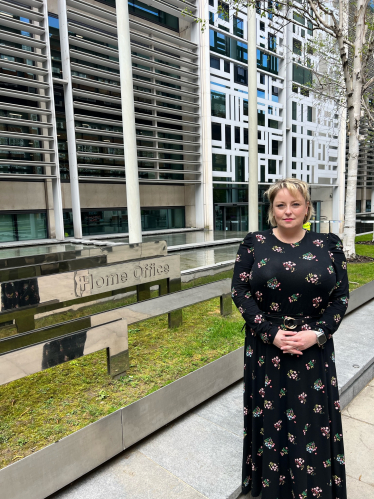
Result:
{"points": [[291, 322]]}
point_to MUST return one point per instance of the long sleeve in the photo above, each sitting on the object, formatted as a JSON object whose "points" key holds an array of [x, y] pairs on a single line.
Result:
{"points": [[338, 303], [241, 293]]}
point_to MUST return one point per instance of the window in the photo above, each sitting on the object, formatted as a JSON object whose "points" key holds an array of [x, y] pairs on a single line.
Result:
{"points": [[157, 16], [270, 109], [23, 226], [245, 107], [294, 128], [262, 79], [297, 47], [267, 62], [214, 62], [211, 18], [262, 173], [246, 136], [273, 124], [211, 3], [262, 26], [272, 166], [218, 104], [275, 147], [368, 205], [358, 205], [223, 10], [272, 42], [239, 169], [298, 18], [310, 28], [223, 44], [294, 165], [301, 75], [226, 66], [275, 94], [238, 27], [227, 136], [240, 75], [294, 110], [260, 94], [219, 43], [261, 149], [237, 135], [309, 117], [219, 162], [261, 118], [216, 131], [308, 148], [294, 147]]}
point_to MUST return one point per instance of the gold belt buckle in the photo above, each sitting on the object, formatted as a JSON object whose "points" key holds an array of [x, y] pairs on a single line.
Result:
{"points": [[292, 326]]}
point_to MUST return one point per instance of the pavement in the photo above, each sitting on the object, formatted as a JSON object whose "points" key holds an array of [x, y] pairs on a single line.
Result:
{"points": [[198, 456]]}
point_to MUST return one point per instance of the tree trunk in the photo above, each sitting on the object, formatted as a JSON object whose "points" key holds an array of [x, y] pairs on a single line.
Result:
{"points": [[354, 91]]}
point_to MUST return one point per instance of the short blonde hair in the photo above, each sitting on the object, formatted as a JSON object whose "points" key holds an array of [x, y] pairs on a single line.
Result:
{"points": [[294, 185]]}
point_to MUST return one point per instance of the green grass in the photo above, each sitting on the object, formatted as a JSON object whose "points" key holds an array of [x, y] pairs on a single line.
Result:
{"points": [[365, 237]]}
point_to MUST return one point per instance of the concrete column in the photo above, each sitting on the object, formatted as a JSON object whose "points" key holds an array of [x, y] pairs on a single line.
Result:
{"points": [[252, 122], [69, 117], [128, 120], [204, 193], [56, 183], [338, 194]]}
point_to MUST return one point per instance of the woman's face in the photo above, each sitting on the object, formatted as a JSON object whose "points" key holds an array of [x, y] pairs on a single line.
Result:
{"points": [[289, 210]]}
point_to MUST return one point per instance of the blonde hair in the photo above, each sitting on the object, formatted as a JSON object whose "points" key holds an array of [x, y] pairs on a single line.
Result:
{"points": [[293, 185]]}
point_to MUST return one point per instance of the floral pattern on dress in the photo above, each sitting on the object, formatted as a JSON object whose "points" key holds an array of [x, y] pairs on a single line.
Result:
{"points": [[292, 398]]}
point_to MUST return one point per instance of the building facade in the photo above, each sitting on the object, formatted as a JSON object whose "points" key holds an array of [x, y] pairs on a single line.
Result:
{"points": [[62, 133]]}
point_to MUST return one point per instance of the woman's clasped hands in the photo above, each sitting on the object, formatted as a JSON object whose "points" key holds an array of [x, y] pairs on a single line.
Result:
{"points": [[295, 341]]}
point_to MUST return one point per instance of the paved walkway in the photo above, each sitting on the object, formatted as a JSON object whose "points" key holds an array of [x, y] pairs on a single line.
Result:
{"points": [[199, 456]]}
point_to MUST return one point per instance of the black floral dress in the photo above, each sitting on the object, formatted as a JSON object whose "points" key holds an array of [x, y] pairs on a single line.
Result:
{"points": [[293, 444]]}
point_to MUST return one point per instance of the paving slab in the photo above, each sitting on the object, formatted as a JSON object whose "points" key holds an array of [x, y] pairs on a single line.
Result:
{"points": [[202, 454], [362, 406], [358, 490], [359, 449], [225, 409], [129, 476]]}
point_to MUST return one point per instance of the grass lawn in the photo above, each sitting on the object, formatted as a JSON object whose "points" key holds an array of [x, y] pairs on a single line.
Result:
{"points": [[42, 408], [365, 237]]}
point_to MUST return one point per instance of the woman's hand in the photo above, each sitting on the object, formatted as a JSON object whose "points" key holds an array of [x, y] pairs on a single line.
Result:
{"points": [[295, 342]]}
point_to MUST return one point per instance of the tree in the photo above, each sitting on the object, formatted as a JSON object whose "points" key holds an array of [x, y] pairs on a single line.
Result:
{"points": [[345, 51]]}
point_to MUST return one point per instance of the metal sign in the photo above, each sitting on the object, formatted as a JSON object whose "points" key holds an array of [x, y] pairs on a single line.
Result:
{"points": [[81, 283]]}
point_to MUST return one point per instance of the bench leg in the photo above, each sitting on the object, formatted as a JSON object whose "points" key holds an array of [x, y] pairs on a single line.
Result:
{"points": [[176, 317], [25, 322], [143, 291], [118, 364], [226, 304]]}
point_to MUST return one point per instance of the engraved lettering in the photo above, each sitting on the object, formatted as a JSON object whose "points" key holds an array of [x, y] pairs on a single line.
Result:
{"points": [[112, 279], [138, 272], [84, 280], [99, 281], [160, 269], [166, 268], [123, 277]]}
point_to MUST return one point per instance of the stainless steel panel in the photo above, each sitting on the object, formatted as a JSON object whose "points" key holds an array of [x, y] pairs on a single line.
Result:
{"points": [[361, 295], [159, 408], [96, 278], [35, 358], [48, 470], [93, 281]]}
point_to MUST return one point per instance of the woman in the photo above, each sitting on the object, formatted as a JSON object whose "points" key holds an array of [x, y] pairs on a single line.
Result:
{"points": [[291, 287]]}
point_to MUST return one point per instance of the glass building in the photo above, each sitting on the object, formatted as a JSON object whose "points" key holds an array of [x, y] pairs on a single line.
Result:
{"points": [[62, 133]]}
